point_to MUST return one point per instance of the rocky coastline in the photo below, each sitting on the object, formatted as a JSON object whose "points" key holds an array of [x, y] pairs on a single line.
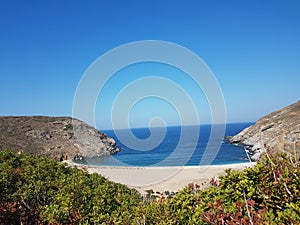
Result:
{"points": [[275, 132], [54, 137]]}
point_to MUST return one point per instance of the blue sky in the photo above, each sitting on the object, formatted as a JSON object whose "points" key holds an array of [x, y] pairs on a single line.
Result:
{"points": [[252, 47]]}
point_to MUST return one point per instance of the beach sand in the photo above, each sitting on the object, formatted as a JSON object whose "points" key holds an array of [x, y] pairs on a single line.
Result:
{"points": [[161, 178]]}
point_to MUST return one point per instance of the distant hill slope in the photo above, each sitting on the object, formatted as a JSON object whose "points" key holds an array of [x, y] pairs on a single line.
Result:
{"points": [[54, 136], [278, 131]]}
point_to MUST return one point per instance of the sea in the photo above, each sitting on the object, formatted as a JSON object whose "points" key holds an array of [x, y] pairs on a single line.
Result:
{"points": [[176, 146]]}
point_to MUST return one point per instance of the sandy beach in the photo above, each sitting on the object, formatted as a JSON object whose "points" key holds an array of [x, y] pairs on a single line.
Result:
{"points": [[161, 178]]}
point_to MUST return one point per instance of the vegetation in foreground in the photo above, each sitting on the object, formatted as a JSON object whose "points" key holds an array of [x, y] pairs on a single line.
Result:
{"points": [[39, 190]]}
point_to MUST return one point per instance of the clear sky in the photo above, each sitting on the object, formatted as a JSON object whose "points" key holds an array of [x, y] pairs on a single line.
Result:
{"points": [[252, 47]]}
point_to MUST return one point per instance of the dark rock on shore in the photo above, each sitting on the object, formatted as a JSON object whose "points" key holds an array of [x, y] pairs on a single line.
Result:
{"points": [[276, 132], [54, 136]]}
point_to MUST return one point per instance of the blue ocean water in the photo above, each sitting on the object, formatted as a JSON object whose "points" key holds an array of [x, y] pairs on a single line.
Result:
{"points": [[169, 152]]}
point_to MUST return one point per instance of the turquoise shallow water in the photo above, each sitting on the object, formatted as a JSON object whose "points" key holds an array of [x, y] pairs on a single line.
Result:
{"points": [[169, 153]]}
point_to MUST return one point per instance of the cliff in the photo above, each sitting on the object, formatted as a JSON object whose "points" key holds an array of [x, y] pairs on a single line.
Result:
{"points": [[278, 131], [54, 136]]}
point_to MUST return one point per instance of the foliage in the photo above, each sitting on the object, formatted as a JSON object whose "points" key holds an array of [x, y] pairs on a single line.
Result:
{"points": [[39, 189], [268, 193], [69, 127], [42, 191]]}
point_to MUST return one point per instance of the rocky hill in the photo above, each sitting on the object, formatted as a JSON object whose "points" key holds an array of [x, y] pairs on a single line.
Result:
{"points": [[54, 136], [278, 131]]}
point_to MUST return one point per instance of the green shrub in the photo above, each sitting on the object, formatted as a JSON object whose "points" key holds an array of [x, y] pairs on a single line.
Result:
{"points": [[41, 190], [267, 193]]}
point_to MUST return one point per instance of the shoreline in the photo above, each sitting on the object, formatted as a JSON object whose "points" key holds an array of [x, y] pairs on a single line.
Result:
{"points": [[231, 165], [161, 179]]}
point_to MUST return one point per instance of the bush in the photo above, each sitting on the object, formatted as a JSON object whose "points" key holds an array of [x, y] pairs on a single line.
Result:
{"points": [[268, 193], [39, 190]]}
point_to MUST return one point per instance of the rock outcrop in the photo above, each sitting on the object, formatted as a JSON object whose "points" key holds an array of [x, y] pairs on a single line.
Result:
{"points": [[54, 136], [276, 132]]}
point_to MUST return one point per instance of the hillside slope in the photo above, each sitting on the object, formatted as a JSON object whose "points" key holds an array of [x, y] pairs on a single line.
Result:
{"points": [[278, 131], [54, 136]]}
